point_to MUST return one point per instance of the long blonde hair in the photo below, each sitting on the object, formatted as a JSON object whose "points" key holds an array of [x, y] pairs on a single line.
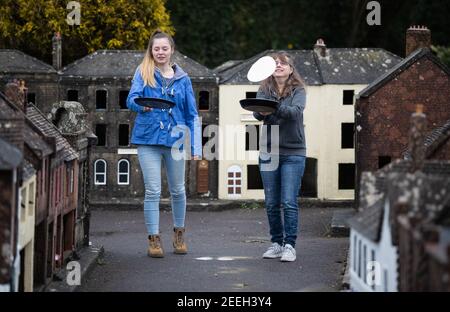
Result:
{"points": [[148, 63], [295, 80]]}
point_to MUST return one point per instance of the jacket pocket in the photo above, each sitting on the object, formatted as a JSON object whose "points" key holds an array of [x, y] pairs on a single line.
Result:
{"points": [[290, 134], [144, 131]]}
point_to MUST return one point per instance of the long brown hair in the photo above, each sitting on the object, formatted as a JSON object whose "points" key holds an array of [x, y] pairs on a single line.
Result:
{"points": [[269, 85], [148, 63]]}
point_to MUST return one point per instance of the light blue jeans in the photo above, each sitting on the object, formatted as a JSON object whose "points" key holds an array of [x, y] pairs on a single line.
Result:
{"points": [[150, 161]]}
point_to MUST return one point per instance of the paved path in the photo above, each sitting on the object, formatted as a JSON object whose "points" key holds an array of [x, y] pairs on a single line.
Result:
{"points": [[233, 240]]}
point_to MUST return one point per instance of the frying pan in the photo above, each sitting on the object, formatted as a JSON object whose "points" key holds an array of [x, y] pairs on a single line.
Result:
{"points": [[259, 105], [154, 102]]}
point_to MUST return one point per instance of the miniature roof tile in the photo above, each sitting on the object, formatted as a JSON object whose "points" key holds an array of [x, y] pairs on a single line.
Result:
{"points": [[15, 61], [10, 157], [49, 129], [226, 66], [426, 194], [369, 221], [371, 188], [31, 138], [36, 143], [355, 65], [399, 68], [393, 182], [123, 63], [339, 66]]}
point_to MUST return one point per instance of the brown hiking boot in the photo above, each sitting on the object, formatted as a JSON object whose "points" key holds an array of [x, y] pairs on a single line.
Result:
{"points": [[178, 241], [155, 249]]}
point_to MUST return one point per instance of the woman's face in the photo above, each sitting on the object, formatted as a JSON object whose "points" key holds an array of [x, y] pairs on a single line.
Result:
{"points": [[283, 69], [161, 51]]}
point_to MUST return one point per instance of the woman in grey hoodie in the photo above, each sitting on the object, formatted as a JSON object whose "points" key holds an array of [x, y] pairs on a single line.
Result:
{"points": [[287, 150]]}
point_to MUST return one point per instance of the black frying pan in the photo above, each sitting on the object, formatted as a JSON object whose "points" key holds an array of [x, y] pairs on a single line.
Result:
{"points": [[154, 102], [259, 105]]}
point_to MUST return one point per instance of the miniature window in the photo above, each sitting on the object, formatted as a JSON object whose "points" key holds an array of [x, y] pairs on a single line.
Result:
{"points": [[100, 172], [308, 187], [373, 276], [72, 95], [347, 135], [254, 181], [348, 97], [346, 176], [23, 203], [124, 135], [31, 97], [100, 99], [385, 280], [250, 95], [31, 198], [100, 132], [359, 258], [234, 180], [251, 137], [123, 175], [123, 95], [203, 100], [354, 253], [383, 161], [53, 190], [365, 264], [72, 176]]}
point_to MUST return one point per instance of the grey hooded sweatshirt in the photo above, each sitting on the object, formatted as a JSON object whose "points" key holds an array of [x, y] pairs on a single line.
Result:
{"points": [[289, 118]]}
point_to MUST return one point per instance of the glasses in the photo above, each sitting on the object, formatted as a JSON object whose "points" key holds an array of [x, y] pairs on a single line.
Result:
{"points": [[282, 63]]}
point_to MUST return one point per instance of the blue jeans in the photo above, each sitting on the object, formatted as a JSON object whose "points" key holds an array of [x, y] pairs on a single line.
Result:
{"points": [[281, 186], [150, 160]]}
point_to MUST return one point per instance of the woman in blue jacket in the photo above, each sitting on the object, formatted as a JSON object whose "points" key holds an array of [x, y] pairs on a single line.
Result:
{"points": [[160, 134]]}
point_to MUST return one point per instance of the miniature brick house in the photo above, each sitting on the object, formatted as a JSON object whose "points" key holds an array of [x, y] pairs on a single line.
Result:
{"points": [[381, 122]]}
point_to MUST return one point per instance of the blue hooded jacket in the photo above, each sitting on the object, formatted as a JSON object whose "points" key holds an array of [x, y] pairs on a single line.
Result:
{"points": [[166, 126]]}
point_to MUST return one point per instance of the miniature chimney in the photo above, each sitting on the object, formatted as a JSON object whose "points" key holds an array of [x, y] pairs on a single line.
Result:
{"points": [[57, 51], [320, 48], [417, 37], [416, 138]]}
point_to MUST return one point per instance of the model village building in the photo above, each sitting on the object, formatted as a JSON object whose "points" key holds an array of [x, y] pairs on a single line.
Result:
{"points": [[400, 240], [421, 78], [52, 169], [333, 77], [10, 167], [45, 210]]}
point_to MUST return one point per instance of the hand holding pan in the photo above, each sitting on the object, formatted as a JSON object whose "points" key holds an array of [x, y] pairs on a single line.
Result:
{"points": [[154, 102], [261, 69]]}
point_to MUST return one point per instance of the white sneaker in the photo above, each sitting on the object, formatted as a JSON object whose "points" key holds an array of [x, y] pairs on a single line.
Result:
{"points": [[289, 254], [274, 251]]}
